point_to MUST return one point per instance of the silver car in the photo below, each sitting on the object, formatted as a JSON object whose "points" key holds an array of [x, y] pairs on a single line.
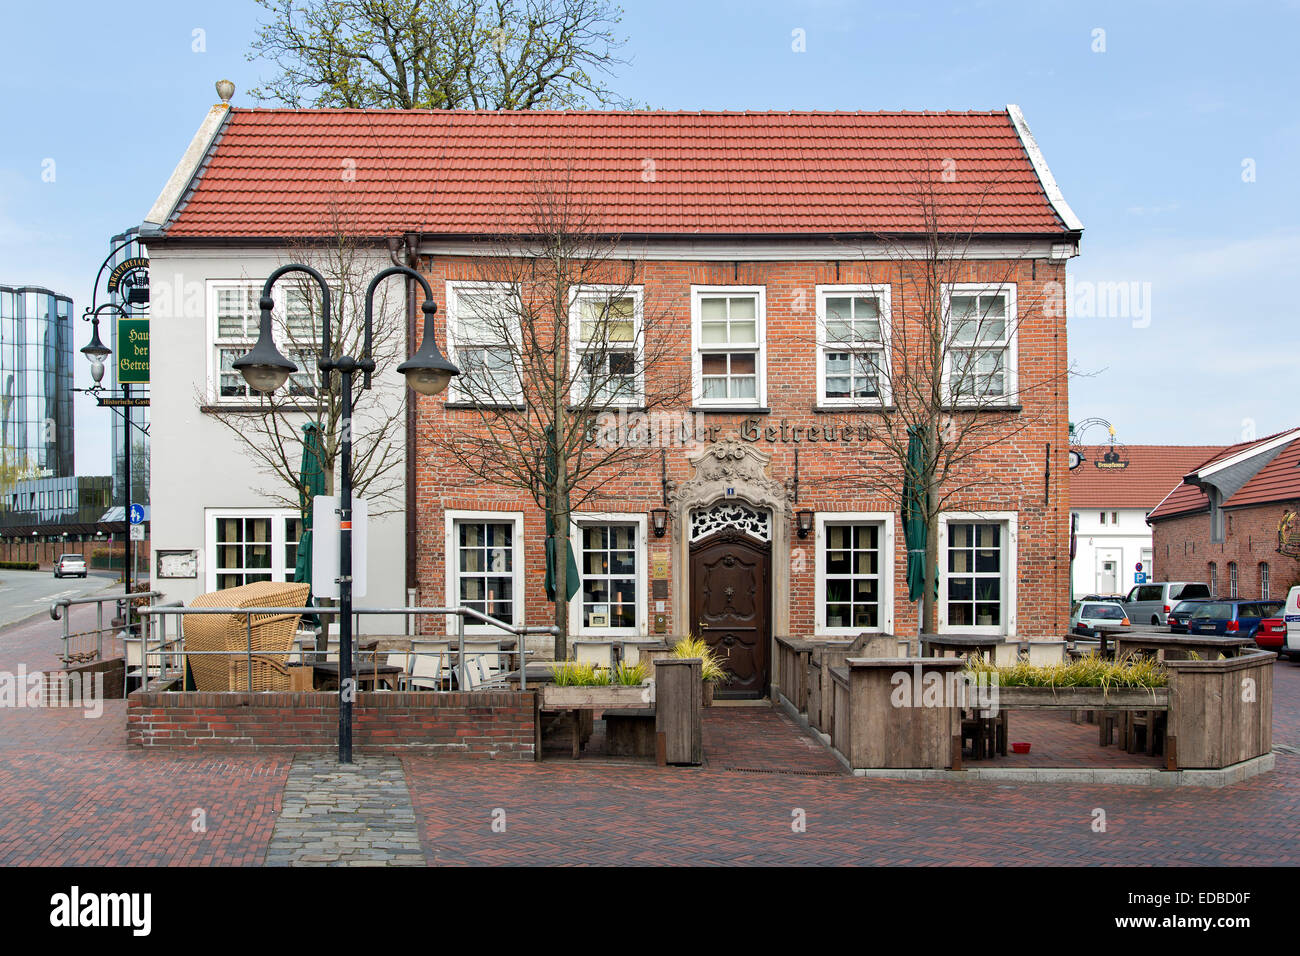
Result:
{"points": [[73, 565], [1151, 603]]}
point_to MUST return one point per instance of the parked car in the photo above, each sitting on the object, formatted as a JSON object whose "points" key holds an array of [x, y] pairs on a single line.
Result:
{"points": [[1232, 618], [1151, 603], [1177, 618], [1090, 618], [1271, 635], [70, 565], [1291, 614]]}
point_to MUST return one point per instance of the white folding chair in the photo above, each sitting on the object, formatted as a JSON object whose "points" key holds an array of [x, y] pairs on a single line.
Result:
{"points": [[1007, 654], [400, 659], [1046, 653], [425, 671], [599, 653]]}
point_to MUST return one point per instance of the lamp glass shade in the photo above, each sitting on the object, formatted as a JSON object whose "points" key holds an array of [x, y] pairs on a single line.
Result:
{"points": [[97, 370], [428, 381], [265, 378]]}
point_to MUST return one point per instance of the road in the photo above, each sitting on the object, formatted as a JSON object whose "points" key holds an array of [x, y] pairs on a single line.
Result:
{"points": [[24, 593]]}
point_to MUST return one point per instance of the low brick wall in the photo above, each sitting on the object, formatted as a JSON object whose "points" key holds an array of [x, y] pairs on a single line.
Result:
{"points": [[498, 724], [82, 676]]}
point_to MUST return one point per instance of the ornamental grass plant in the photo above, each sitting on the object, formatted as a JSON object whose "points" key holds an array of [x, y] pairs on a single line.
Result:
{"points": [[1126, 672], [712, 670]]}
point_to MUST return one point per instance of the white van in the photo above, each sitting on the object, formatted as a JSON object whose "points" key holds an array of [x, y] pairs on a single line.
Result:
{"points": [[1291, 614]]}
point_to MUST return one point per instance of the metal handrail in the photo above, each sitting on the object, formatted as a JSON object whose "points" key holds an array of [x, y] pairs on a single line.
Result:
{"points": [[57, 608], [461, 613]]}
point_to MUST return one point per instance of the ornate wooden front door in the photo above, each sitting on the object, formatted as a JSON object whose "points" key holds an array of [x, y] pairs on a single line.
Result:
{"points": [[731, 600]]}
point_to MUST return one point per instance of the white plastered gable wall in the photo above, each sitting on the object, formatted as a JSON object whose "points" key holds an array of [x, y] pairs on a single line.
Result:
{"points": [[199, 467]]}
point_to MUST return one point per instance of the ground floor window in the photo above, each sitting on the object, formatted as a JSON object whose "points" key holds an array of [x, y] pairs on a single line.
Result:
{"points": [[1232, 579], [484, 565], [609, 551], [977, 569], [253, 545], [854, 573], [1263, 580]]}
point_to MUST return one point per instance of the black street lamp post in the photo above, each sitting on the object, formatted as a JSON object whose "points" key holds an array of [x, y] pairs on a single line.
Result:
{"points": [[265, 369], [97, 352]]}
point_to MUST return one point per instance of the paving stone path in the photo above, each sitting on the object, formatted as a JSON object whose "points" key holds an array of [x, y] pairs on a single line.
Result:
{"points": [[345, 815]]}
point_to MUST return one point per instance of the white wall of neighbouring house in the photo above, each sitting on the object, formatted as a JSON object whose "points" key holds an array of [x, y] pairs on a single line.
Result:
{"points": [[202, 471], [1123, 539]]}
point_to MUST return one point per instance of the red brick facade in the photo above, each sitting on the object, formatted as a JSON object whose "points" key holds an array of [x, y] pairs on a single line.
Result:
{"points": [[1184, 552], [1027, 474], [485, 724]]}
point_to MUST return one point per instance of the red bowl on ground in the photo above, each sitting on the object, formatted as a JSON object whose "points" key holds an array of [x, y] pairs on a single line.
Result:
{"points": [[1020, 748]]}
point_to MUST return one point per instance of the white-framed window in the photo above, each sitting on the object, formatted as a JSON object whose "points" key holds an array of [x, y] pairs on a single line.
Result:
{"points": [[1263, 581], [854, 572], [980, 361], [852, 344], [1232, 579], [978, 562], [610, 549], [244, 545], [485, 565], [728, 355], [605, 332], [483, 322], [233, 321]]}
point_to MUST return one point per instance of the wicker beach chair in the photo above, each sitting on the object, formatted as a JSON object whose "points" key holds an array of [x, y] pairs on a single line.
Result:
{"points": [[272, 637]]}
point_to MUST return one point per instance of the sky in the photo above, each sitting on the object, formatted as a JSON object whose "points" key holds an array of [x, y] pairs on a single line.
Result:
{"points": [[1171, 127]]}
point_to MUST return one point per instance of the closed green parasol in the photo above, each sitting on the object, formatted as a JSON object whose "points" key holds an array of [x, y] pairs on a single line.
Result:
{"points": [[311, 482], [914, 510], [571, 569]]}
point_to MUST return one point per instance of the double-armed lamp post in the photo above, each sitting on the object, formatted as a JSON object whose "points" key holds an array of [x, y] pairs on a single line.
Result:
{"points": [[265, 369]]}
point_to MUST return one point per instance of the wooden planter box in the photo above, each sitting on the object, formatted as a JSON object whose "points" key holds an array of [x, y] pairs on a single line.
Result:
{"points": [[1083, 698], [612, 697]]}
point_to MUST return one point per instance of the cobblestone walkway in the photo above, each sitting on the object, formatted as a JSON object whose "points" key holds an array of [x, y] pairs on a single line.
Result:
{"points": [[345, 815]]}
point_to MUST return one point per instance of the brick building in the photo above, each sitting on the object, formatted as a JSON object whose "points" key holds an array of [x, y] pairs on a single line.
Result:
{"points": [[751, 234], [1231, 521]]}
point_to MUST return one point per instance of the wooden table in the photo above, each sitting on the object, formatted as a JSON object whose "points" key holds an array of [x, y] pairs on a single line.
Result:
{"points": [[327, 672], [1207, 647], [934, 645]]}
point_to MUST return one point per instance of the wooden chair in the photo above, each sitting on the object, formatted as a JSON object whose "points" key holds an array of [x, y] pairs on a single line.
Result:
{"points": [[271, 637]]}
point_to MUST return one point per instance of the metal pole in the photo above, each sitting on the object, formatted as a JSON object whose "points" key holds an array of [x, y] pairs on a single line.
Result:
{"points": [[128, 564], [346, 693]]}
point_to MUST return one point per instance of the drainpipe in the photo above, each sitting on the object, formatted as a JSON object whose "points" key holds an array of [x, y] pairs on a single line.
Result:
{"points": [[404, 251]]}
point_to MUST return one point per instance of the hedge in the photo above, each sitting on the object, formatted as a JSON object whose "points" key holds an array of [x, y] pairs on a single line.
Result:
{"points": [[19, 566]]}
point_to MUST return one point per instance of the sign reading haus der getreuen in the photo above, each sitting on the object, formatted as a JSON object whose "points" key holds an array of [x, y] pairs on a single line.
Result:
{"points": [[133, 351]]}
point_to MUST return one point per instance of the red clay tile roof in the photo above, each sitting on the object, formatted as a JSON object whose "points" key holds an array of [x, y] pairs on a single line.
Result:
{"points": [[1273, 482], [1151, 472], [1279, 480], [276, 173]]}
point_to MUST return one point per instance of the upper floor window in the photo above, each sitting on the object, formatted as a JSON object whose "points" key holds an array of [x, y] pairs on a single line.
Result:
{"points": [[233, 325], [980, 364], [728, 356], [483, 321], [852, 334], [605, 328]]}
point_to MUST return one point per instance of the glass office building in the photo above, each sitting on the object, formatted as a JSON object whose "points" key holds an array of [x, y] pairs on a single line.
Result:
{"points": [[36, 427]]}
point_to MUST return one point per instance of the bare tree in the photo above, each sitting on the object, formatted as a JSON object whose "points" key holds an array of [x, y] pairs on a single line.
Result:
{"points": [[270, 427], [440, 54], [943, 363], [566, 371]]}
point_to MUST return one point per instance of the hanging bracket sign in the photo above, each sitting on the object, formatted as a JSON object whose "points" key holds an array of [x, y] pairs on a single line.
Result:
{"points": [[133, 351]]}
